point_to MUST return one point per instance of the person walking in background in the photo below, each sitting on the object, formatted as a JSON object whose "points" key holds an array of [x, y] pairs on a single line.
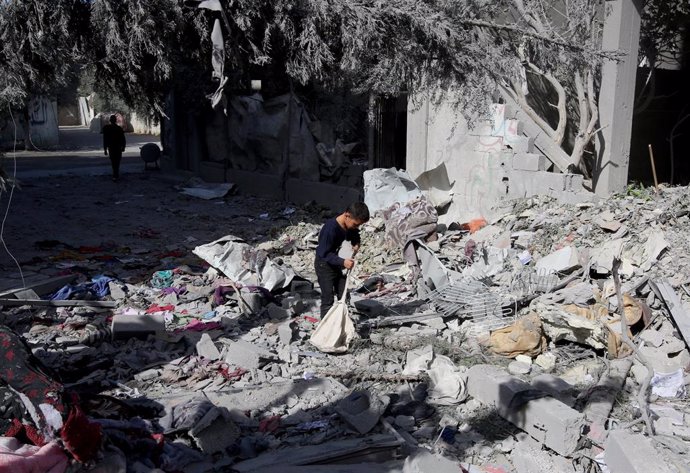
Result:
{"points": [[114, 143]]}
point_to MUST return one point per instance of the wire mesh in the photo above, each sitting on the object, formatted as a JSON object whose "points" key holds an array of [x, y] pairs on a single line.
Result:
{"points": [[472, 300], [530, 281]]}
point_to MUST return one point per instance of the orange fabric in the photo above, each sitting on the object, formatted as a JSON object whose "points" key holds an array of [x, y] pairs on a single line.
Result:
{"points": [[474, 225]]}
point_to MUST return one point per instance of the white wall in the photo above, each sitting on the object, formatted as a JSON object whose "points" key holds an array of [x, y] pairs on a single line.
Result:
{"points": [[43, 116], [473, 158]]}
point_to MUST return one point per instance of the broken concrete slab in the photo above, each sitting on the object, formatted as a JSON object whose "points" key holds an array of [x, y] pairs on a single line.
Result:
{"points": [[309, 393], [633, 453], [285, 332], [423, 461], [561, 261], [206, 348], [245, 355], [680, 316], [215, 431], [125, 326]]}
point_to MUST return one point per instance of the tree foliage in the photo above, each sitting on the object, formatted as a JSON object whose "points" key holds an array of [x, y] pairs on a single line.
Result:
{"points": [[39, 43], [457, 49], [136, 45]]}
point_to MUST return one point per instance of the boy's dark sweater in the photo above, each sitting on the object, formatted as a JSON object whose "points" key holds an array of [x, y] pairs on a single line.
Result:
{"points": [[331, 236]]}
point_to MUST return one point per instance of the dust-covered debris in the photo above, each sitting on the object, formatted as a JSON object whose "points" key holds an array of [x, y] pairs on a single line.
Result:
{"points": [[491, 346]]}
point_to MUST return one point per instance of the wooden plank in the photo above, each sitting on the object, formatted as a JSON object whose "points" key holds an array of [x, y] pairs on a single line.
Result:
{"points": [[679, 315], [43, 287], [68, 303]]}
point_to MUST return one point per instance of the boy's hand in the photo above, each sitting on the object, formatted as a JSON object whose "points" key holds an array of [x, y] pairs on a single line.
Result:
{"points": [[349, 263], [355, 250]]}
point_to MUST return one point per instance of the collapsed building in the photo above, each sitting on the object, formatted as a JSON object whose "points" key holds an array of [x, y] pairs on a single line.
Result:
{"points": [[551, 337]]}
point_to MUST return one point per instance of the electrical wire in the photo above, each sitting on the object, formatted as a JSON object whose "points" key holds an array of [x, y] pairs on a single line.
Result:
{"points": [[9, 202]]}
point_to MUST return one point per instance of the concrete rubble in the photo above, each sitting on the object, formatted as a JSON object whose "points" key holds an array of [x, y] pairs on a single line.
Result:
{"points": [[468, 356]]}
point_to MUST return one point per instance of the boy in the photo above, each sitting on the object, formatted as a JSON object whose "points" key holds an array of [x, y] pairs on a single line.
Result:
{"points": [[328, 265]]}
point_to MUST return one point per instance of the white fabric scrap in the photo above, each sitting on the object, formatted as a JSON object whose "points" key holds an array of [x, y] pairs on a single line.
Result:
{"points": [[668, 384]]}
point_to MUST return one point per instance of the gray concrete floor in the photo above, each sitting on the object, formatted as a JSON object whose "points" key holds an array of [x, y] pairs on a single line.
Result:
{"points": [[80, 152]]}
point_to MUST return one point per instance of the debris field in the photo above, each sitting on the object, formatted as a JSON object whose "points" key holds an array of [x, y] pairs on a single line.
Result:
{"points": [[163, 329]]}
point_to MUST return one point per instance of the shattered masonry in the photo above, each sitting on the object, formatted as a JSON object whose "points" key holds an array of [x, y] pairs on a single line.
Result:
{"points": [[481, 346]]}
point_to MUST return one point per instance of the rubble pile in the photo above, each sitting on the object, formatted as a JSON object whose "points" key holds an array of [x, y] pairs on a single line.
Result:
{"points": [[502, 346]]}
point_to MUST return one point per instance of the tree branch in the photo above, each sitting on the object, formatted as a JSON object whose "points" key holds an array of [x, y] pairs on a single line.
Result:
{"points": [[642, 395]]}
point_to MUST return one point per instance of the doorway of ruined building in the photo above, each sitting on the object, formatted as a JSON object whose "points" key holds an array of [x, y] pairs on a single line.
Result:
{"points": [[388, 144]]}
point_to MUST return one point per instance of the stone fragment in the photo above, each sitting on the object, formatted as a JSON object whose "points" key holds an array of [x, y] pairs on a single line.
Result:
{"points": [[215, 431], [275, 312], [563, 260], [116, 291], [206, 348], [285, 332], [245, 355], [633, 453], [518, 368], [524, 359], [547, 361]]}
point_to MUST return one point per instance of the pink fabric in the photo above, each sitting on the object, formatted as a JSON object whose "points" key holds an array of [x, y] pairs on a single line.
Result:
{"points": [[16, 457], [197, 325]]}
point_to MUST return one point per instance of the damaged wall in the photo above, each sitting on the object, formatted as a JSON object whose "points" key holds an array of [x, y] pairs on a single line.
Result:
{"points": [[43, 115], [487, 162]]}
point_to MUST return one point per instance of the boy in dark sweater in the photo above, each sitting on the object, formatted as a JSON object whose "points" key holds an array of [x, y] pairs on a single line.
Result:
{"points": [[328, 265]]}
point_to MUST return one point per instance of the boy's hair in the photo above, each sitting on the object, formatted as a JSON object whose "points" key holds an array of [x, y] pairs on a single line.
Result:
{"points": [[359, 211]]}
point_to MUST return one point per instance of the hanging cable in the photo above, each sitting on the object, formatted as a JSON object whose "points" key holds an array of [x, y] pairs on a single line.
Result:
{"points": [[9, 202]]}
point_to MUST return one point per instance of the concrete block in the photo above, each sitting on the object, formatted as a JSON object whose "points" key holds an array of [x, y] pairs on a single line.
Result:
{"points": [[310, 393], [551, 422], [632, 453], [547, 420], [206, 348], [529, 162], [493, 387], [520, 144], [529, 183], [337, 198], [125, 326]]}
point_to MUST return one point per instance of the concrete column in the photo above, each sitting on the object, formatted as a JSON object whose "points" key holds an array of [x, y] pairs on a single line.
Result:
{"points": [[617, 95]]}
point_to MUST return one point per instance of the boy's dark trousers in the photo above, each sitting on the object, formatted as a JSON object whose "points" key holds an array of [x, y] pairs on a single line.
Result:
{"points": [[331, 281]]}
